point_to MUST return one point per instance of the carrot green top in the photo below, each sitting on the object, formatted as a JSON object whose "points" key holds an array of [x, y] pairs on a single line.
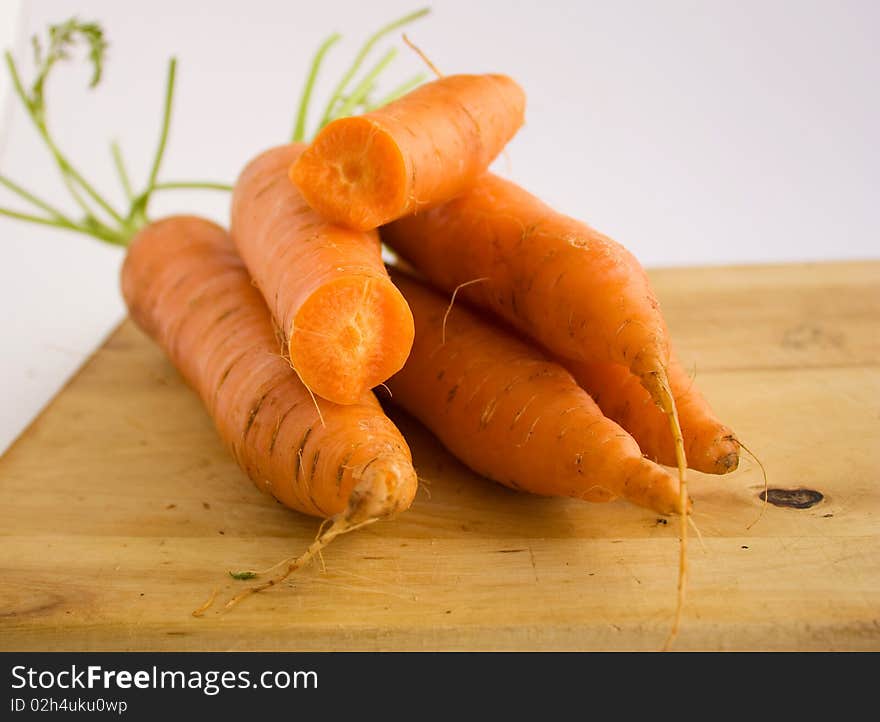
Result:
{"points": [[99, 218]]}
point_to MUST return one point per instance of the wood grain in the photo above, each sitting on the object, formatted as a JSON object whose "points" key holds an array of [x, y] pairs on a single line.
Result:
{"points": [[120, 511]]}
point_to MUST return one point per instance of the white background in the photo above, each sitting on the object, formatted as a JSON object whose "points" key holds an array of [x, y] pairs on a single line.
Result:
{"points": [[696, 132]]}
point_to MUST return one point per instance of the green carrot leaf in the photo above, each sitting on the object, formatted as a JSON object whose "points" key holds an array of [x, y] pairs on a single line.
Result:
{"points": [[359, 94], [299, 131], [397, 92], [62, 39], [163, 133], [330, 111]]}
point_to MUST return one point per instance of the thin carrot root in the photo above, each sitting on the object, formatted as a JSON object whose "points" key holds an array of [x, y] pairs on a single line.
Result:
{"points": [[452, 303], [425, 485], [387, 389], [697, 532], [321, 551], [253, 573], [311, 394], [667, 403], [425, 59], [340, 525], [209, 602], [377, 496], [766, 483]]}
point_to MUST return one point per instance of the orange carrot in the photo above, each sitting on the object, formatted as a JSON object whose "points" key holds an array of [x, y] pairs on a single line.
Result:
{"points": [[711, 447], [515, 416], [579, 293], [576, 292], [186, 287], [345, 325], [414, 153]]}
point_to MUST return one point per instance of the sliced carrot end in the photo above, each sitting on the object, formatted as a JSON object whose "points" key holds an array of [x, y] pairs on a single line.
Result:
{"points": [[354, 174], [350, 336]]}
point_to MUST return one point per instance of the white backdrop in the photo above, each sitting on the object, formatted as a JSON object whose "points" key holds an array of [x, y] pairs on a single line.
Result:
{"points": [[695, 131]]}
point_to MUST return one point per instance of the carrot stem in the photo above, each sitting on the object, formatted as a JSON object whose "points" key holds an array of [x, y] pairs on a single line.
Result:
{"points": [[339, 90], [163, 134], [119, 163], [74, 175], [122, 229], [18, 215], [400, 90], [192, 185], [31, 198], [360, 92], [82, 191], [299, 131]]}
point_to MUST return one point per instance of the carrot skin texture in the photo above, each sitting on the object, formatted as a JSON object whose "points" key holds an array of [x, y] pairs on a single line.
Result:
{"points": [[414, 153], [345, 325], [513, 415], [711, 447], [575, 291], [186, 287]]}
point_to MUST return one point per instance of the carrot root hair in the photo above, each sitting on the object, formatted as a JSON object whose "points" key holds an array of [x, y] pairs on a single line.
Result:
{"points": [[691, 521], [309, 390], [452, 303], [208, 603], [766, 483], [285, 354], [364, 507], [425, 485], [339, 525], [421, 53], [667, 402]]}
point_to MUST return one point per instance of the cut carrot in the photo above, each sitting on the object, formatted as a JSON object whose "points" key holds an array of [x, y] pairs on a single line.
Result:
{"points": [[419, 151], [345, 326]]}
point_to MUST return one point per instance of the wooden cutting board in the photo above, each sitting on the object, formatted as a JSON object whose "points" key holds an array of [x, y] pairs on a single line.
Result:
{"points": [[120, 511]]}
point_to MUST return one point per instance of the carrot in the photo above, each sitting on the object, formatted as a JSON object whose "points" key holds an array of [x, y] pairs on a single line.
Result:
{"points": [[345, 325], [513, 415], [417, 152], [578, 293], [573, 290], [186, 287], [710, 446]]}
